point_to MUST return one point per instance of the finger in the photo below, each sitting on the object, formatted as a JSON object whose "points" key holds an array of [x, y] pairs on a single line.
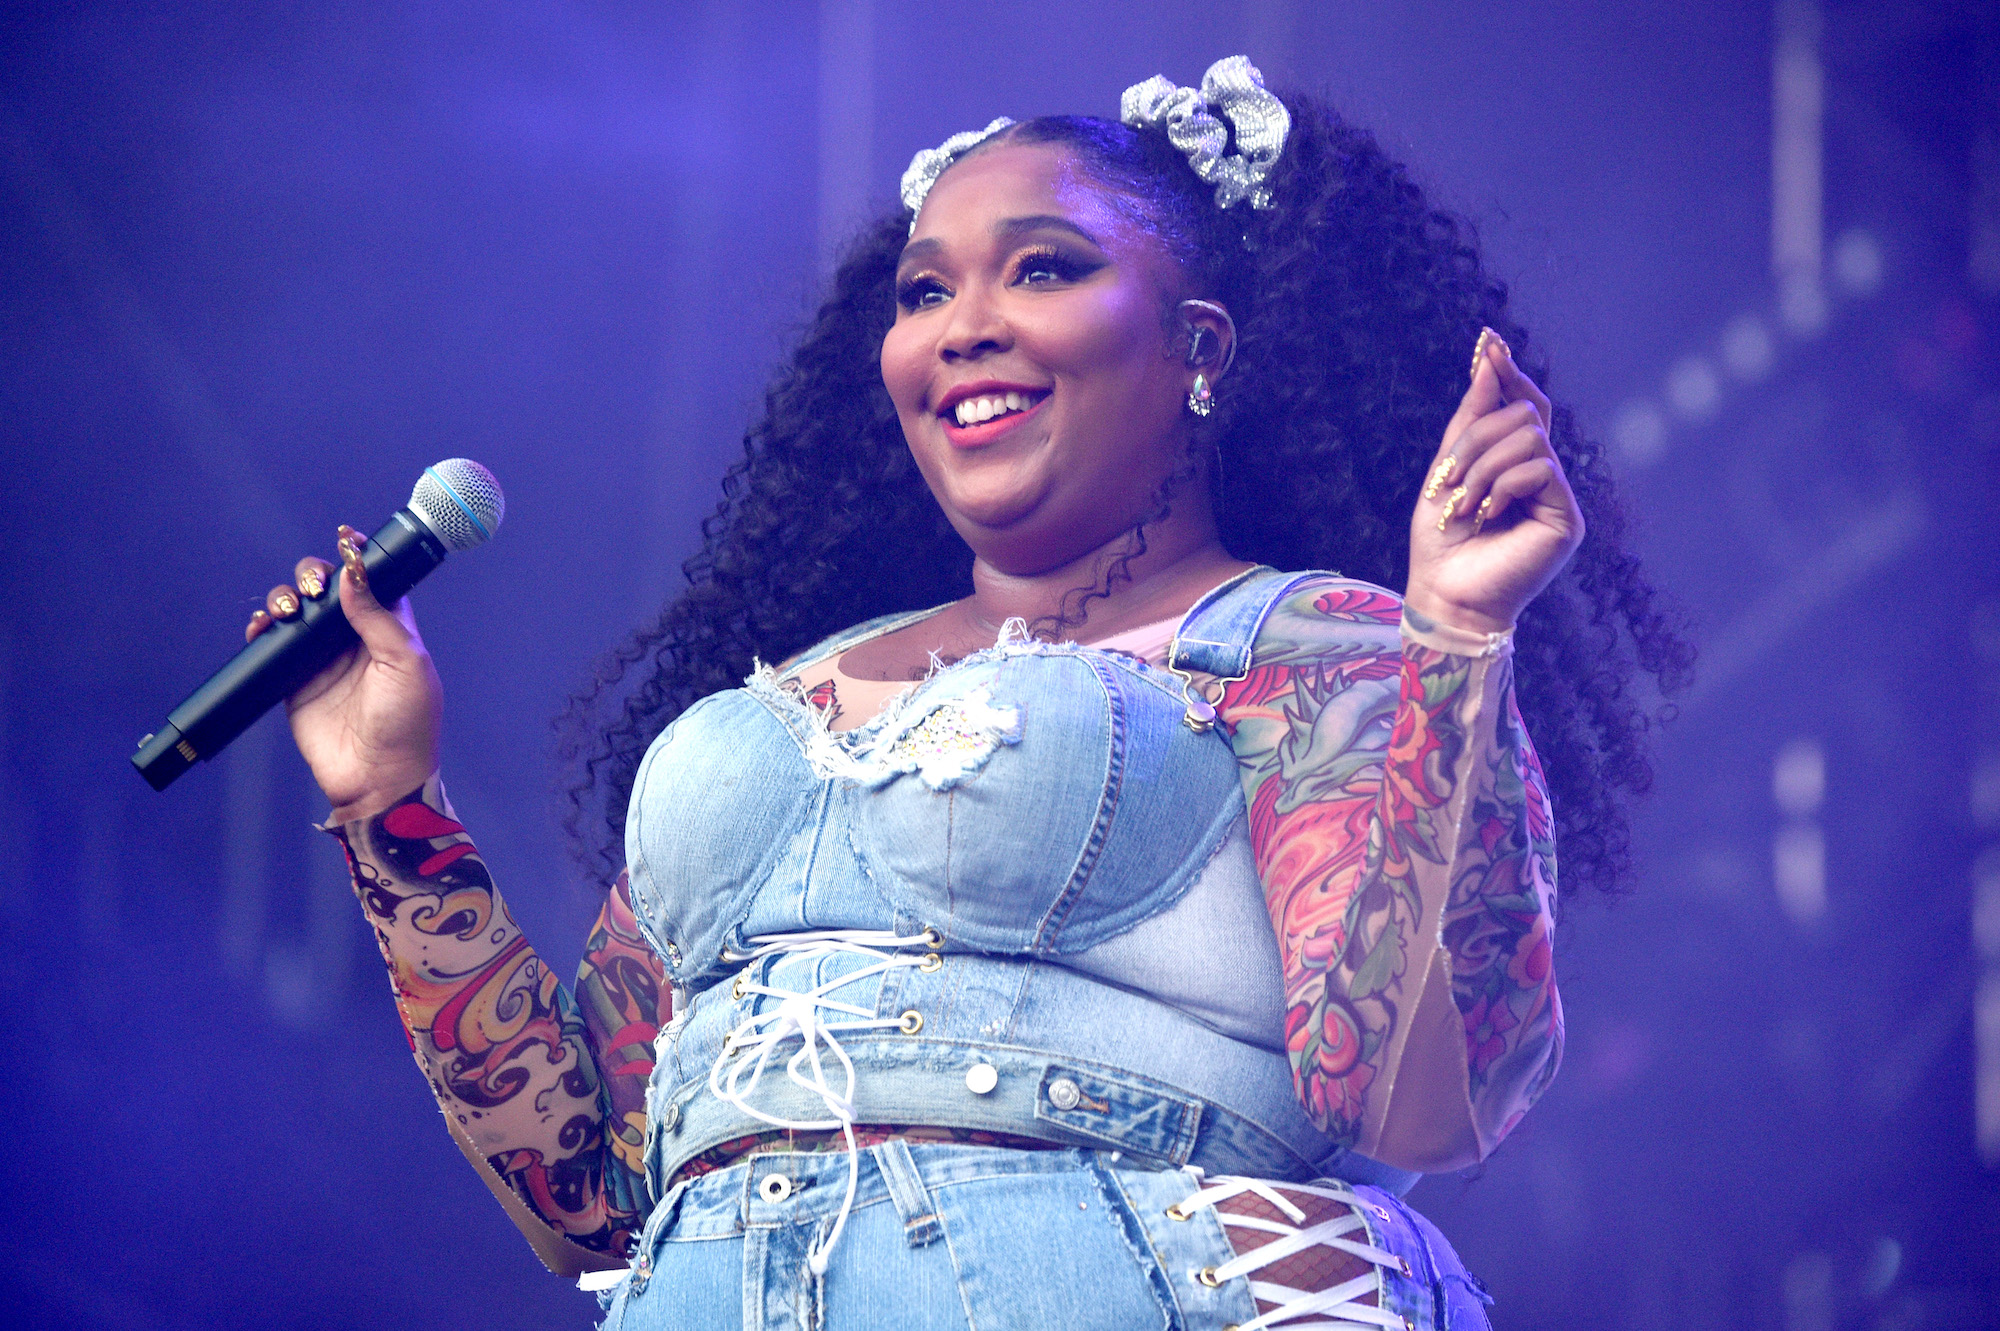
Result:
{"points": [[1479, 504], [1515, 383], [1482, 396], [1536, 487], [313, 576], [281, 602], [258, 623], [1476, 438], [380, 629]]}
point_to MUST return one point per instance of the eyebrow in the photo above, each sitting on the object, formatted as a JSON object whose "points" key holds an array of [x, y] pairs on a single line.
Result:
{"points": [[1006, 229]]}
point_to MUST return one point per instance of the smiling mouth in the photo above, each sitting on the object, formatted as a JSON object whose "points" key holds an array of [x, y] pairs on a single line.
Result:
{"points": [[988, 407]]}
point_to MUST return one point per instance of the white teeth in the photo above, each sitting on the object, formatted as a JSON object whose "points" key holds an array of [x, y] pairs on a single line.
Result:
{"points": [[977, 410]]}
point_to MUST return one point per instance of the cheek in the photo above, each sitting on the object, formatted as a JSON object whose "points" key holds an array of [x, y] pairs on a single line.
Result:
{"points": [[902, 364], [1114, 348]]}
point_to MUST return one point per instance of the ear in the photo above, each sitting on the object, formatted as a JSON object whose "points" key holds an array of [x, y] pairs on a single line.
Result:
{"points": [[1208, 339]]}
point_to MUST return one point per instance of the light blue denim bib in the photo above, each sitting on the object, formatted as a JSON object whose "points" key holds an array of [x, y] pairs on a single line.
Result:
{"points": [[1055, 864]]}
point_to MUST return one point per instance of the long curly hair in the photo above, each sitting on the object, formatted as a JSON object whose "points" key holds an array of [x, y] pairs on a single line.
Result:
{"points": [[1356, 305]]}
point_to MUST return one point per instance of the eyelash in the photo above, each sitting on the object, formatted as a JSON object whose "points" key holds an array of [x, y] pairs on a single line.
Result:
{"points": [[1064, 268]]}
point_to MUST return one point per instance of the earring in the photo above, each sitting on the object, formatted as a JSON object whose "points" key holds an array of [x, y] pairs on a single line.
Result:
{"points": [[1201, 398]]}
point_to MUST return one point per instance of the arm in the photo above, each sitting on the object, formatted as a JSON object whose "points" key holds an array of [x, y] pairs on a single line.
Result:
{"points": [[1402, 832], [544, 1095]]}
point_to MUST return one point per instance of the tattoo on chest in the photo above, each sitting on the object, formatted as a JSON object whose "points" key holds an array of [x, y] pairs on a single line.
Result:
{"points": [[822, 697]]}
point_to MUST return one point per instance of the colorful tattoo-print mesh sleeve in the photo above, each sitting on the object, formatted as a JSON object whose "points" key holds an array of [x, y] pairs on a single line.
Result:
{"points": [[550, 1094], [1403, 835]]}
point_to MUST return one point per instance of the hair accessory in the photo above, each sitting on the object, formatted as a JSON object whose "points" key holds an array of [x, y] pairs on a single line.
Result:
{"points": [[1233, 89], [928, 165]]}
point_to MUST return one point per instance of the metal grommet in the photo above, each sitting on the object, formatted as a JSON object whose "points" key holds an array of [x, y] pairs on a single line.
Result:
{"points": [[736, 990], [1407, 1273], [1378, 1210], [1207, 1277], [931, 937], [912, 1022], [931, 962], [775, 1188], [1174, 1212]]}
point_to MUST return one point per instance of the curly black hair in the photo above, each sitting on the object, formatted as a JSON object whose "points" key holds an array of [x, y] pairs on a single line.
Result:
{"points": [[1356, 305]]}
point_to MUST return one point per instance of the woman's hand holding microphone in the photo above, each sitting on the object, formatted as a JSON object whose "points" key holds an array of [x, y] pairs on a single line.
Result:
{"points": [[368, 724]]}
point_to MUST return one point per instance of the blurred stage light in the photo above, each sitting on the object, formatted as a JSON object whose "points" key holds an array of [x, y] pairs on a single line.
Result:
{"points": [[1693, 388]]}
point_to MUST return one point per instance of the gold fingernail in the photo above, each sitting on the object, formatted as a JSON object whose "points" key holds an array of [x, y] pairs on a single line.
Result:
{"points": [[1479, 348], [310, 584], [1456, 498], [1479, 514], [287, 606], [350, 556], [1440, 476]]}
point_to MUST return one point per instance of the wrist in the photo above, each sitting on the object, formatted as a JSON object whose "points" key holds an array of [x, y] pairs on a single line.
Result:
{"points": [[379, 798], [1426, 611]]}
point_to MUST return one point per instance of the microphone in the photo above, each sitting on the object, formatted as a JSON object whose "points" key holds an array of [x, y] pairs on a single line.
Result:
{"points": [[457, 505]]}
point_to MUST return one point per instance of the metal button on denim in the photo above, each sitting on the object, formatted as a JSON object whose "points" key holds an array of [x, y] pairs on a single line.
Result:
{"points": [[1064, 1093], [981, 1078]]}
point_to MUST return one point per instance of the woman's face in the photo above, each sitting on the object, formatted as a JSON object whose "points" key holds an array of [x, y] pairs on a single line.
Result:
{"points": [[1031, 361]]}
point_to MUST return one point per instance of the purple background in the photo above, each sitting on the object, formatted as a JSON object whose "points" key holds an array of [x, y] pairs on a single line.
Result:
{"points": [[263, 263]]}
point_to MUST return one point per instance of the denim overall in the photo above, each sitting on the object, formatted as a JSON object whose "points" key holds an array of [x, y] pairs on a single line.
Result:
{"points": [[1021, 899]]}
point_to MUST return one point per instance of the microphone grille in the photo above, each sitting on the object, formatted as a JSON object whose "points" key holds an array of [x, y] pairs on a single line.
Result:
{"points": [[460, 501]]}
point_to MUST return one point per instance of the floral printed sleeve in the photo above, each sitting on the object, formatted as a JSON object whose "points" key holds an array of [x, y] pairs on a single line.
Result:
{"points": [[1402, 830], [548, 1093]]}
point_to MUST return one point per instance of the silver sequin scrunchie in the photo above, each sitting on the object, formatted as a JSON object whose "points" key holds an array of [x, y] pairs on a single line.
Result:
{"points": [[928, 165], [1234, 88]]}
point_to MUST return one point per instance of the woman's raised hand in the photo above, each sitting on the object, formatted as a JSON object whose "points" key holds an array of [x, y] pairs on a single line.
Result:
{"points": [[1497, 519], [368, 724]]}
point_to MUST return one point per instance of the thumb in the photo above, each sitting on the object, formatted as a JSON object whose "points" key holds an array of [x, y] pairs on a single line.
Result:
{"points": [[385, 633], [1482, 395]]}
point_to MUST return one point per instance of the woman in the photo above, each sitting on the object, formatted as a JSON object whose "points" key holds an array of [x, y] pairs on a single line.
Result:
{"points": [[1087, 922]]}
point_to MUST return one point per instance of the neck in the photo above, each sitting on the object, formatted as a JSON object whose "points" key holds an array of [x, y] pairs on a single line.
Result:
{"points": [[1182, 560]]}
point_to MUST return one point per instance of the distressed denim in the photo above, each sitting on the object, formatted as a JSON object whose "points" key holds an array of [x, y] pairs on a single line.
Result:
{"points": [[1081, 850], [964, 1237], [1103, 976]]}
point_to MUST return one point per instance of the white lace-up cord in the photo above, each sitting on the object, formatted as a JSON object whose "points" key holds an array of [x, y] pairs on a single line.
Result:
{"points": [[750, 1047], [1337, 1302]]}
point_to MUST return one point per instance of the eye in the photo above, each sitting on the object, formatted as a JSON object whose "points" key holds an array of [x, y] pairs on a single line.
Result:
{"points": [[921, 292], [1041, 267]]}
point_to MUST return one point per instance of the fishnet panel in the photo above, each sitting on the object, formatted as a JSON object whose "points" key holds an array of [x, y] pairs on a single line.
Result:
{"points": [[1311, 1270]]}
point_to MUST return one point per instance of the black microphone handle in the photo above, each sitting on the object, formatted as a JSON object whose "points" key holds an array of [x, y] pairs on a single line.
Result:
{"points": [[284, 656]]}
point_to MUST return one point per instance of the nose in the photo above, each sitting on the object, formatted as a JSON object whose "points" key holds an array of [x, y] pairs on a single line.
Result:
{"points": [[976, 327]]}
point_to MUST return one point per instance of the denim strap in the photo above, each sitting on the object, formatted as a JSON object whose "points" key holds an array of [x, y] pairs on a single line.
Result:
{"points": [[907, 1191], [1217, 635]]}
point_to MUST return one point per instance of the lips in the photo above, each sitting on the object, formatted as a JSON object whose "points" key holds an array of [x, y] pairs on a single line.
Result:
{"points": [[976, 414]]}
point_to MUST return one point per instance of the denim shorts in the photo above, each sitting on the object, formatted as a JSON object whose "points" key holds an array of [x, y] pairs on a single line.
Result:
{"points": [[948, 1236]]}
